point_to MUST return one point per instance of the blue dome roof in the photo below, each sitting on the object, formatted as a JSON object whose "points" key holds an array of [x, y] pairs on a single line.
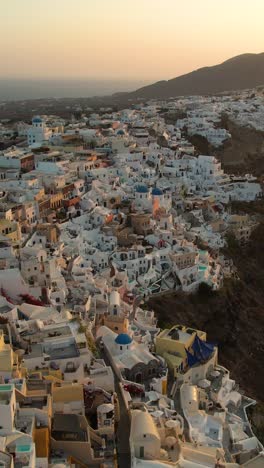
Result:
{"points": [[142, 189], [123, 339], [157, 191], [120, 132], [36, 120]]}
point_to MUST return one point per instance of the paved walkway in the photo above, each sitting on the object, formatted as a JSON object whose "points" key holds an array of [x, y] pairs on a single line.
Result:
{"points": [[123, 432], [123, 429]]}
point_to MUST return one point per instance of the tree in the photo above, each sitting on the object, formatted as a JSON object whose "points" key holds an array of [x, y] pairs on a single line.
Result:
{"points": [[232, 243], [184, 191], [205, 289], [92, 144]]}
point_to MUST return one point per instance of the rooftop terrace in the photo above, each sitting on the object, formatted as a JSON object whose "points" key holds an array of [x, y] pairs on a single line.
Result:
{"points": [[5, 398], [178, 333], [67, 427]]}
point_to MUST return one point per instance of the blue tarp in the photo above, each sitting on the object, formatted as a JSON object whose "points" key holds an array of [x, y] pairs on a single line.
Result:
{"points": [[191, 359], [201, 351]]}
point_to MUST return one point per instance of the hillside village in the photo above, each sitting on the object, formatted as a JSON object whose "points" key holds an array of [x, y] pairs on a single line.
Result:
{"points": [[98, 213]]}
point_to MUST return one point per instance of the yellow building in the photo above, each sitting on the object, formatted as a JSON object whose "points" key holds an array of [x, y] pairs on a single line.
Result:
{"points": [[241, 226], [184, 258], [115, 319], [141, 223], [68, 398], [42, 442], [172, 344], [10, 229], [56, 200], [49, 231], [68, 393], [40, 195], [118, 323], [9, 365], [47, 374]]}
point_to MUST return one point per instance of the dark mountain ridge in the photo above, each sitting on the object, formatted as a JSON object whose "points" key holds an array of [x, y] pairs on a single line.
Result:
{"points": [[241, 72]]}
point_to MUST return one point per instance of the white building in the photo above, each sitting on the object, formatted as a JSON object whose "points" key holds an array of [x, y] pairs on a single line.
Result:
{"points": [[38, 132]]}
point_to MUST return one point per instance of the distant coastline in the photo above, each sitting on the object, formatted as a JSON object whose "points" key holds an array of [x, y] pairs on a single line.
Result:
{"points": [[22, 89]]}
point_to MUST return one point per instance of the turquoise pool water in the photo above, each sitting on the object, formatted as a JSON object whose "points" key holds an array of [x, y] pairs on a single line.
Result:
{"points": [[23, 448], [6, 388], [202, 268]]}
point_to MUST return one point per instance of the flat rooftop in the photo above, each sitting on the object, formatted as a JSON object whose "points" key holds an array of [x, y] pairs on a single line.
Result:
{"points": [[5, 398], [67, 427], [66, 351], [25, 424], [38, 385], [4, 309], [52, 332], [34, 402], [58, 351], [179, 333], [18, 383]]}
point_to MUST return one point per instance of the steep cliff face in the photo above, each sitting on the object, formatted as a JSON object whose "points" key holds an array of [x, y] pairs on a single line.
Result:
{"points": [[233, 317], [245, 148], [242, 153]]}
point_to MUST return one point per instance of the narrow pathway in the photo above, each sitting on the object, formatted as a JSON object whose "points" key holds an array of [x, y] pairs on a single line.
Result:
{"points": [[123, 429], [123, 432]]}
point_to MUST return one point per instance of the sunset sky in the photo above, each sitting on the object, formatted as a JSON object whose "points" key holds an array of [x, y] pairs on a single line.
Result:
{"points": [[124, 39]]}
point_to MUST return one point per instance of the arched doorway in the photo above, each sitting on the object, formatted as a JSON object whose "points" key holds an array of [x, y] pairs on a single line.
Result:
{"points": [[138, 377]]}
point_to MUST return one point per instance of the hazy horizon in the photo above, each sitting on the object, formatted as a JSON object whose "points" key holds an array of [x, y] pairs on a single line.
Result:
{"points": [[63, 87], [24, 89], [116, 40]]}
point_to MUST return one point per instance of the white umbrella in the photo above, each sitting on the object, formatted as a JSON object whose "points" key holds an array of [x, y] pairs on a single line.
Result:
{"points": [[204, 383], [215, 373], [171, 423], [105, 408], [153, 396], [163, 404], [170, 441], [157, 414]]}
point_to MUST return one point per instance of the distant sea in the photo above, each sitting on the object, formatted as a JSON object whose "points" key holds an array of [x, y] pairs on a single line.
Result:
{"points": [[16, 89]]}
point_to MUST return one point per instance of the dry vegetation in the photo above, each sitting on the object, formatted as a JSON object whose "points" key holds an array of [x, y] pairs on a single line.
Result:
{"points": [[244, 152], [233, 317]]}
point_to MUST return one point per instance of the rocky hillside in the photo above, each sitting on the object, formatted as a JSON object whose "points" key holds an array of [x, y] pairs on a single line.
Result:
{"points": [[233, 316], [241, 154], [241, 72], [244, 149]]}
